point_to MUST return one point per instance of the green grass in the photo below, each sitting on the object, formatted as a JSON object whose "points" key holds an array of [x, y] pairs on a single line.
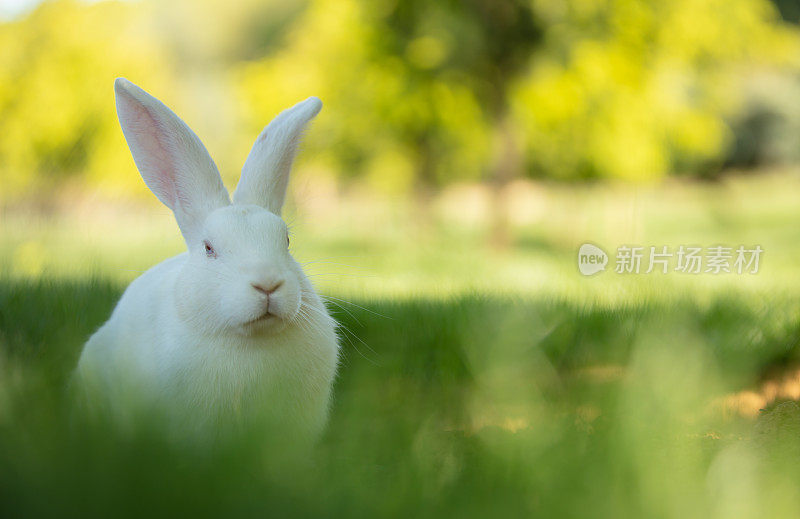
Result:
{"points": [[472, 381], [464, 406]]}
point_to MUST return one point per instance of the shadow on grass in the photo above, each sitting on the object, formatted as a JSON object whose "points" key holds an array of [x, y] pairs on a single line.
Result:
{"points": [[465, 406]]}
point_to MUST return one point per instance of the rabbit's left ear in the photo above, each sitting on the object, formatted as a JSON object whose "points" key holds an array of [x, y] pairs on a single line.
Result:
{"points": [[265, 174], [173, 162]]}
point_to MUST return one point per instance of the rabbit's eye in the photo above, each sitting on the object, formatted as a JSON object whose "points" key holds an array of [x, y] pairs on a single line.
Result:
{"points": [[287, 240], [210, 252]]}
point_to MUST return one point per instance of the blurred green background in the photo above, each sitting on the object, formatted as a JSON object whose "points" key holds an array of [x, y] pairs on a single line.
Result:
{"points": [[419, 95], [465, 151]]}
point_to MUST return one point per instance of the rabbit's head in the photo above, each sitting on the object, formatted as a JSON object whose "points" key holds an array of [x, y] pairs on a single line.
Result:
{"points": [[239, 275]]}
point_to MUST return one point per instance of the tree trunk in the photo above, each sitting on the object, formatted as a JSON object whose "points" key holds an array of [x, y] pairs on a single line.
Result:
{"points": [[504, 167], [424, 185]]}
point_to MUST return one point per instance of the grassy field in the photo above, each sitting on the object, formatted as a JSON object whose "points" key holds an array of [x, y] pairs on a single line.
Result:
{"points": [[473, 380]]}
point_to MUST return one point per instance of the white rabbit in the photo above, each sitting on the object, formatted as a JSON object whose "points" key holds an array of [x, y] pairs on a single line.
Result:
{"points": [[232, 330]]}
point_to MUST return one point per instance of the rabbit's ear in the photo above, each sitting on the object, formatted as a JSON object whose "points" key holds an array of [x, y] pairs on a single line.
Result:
{"points": [[265, 174], [171, 159]]}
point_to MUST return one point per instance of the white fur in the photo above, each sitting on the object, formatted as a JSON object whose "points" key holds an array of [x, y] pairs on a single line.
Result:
{"points": [[180, 343]]}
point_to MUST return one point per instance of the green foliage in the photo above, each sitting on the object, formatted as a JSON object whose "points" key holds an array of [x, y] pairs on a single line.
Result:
{"points": [[57, 118], [639, 89], [627, 89], [392, 108], [417, 94]]}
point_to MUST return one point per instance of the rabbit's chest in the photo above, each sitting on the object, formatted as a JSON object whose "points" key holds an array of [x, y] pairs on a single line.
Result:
{"points": [[233, 383]]}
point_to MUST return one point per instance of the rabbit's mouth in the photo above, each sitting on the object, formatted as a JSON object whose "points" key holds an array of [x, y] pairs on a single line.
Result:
{"points": [[265, 317]]}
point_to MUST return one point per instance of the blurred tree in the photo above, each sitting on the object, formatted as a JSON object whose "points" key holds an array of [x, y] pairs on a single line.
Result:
{"points": [[789, 10], [59, 61], [767, 126], [57, 118], [421, 83], [418, 94], [390, 114], [485, 44], [636, 89], [424, 93]]}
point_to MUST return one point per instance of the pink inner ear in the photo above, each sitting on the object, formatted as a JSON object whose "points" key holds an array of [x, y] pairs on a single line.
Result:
{"points": [[151, 142]]}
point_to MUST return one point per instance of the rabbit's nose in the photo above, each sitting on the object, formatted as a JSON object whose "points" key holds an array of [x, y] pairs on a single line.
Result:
{"points": [[266, 288]]}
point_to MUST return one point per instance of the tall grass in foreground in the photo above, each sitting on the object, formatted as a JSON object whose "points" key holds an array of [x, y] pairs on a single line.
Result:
{"points": [[514, 405]]}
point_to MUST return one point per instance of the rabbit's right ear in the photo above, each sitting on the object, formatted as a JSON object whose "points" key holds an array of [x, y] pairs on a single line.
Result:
{"points": [[171, 159], [265, 174]]}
